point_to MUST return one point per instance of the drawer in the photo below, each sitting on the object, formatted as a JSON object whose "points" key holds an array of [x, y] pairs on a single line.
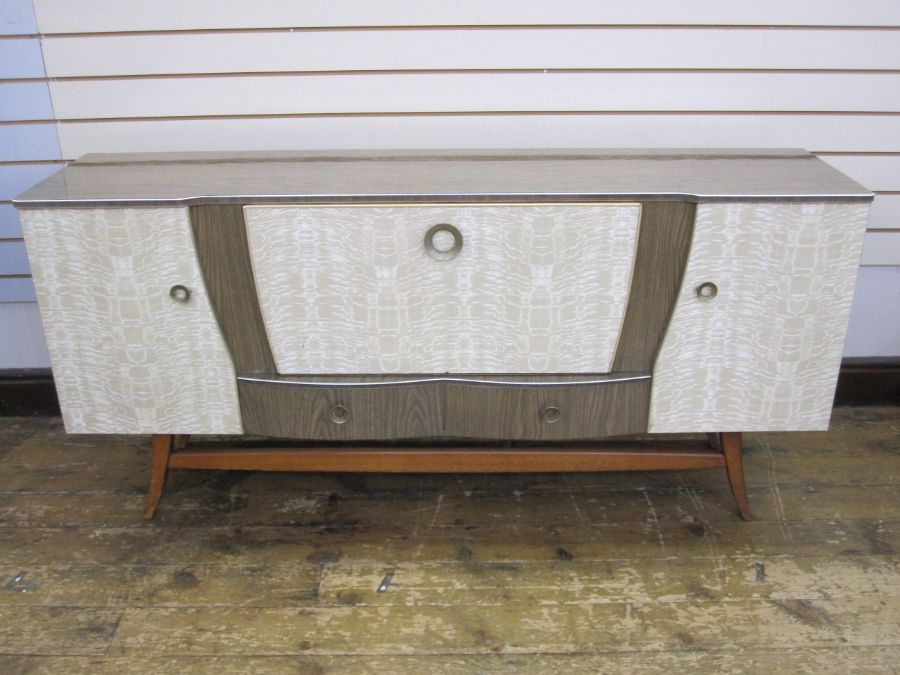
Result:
{"points": [[546, 413], [509, 407], [340, 413], [527, 288]]}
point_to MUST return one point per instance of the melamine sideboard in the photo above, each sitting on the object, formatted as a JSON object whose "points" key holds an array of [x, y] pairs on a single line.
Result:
{"points": [[535, 298]]}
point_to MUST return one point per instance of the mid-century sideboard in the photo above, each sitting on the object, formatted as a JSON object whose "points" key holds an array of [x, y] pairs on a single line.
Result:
{"points": [[538, 297]]}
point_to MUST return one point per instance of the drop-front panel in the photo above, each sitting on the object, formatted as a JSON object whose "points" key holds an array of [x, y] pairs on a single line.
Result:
{"points": [[582, 310], [392, 289]]}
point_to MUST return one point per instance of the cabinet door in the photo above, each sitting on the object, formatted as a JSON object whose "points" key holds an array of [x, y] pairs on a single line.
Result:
{"points": [[133, 341], [755, 340], [443, 288]]}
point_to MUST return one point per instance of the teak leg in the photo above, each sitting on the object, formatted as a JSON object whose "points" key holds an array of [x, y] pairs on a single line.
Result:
{"points": [[162, 448], [730, 443]]}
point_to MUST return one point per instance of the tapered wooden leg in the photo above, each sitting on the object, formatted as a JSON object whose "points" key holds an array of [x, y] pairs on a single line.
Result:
{"points": [[181, 441], [162, 448], [730, 443]]}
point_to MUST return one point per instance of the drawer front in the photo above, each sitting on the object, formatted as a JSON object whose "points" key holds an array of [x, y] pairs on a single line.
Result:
{"points": [[547, 413], [374, 289], [341, 413], [448, 408]]}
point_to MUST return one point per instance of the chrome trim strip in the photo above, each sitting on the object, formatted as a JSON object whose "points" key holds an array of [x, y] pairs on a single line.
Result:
{"points": [[455, 380], [415, 198]]}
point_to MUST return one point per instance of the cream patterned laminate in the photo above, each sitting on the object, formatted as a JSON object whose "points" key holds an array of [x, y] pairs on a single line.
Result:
{"points": [[763, 355], [126, 357], [535, 288]]}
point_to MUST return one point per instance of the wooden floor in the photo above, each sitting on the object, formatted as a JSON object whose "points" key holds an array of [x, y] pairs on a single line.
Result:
{"points": [[274, 573]]}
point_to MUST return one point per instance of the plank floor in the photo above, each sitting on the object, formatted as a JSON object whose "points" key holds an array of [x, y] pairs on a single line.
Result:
{"points": [[272, 573]]}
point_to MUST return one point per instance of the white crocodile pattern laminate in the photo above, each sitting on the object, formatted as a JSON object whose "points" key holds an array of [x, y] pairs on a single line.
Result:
{"points": [[763, 355], [535, 288], [127, 358]]}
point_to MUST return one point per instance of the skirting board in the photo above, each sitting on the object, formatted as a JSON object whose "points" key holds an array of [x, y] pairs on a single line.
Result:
{"points": [[862, 382]]}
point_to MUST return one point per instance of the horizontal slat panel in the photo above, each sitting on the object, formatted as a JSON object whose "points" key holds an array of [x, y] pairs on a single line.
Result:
{"points": [[9, 222], [20, 58], [468, 92], [17, 18], [65, 16], [816, 132], [13, 258], [23, 347], [876, 173], [482, 49], [25, 101], [874, 322], [882, 248], [23, 142], [16, 178], [885, 212], [17, 290]]}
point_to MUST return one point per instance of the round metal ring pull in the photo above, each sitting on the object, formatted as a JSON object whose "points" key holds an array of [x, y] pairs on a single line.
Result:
{"points": [[180, 293], [436, 244], [338, 414], [551, 414], [707, 290]]}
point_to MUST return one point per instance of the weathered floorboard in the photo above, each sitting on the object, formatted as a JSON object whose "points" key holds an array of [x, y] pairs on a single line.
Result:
{"points": [[257, 572]]}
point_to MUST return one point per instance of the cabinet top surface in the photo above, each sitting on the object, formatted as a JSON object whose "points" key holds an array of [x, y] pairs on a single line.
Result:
{"points": [[181, 179]]}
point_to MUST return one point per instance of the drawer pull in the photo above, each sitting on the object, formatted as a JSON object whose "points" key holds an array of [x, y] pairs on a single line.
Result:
{"points": [[338, 414], [707, 290], [180, 293], [551, 414], [442, 249]]}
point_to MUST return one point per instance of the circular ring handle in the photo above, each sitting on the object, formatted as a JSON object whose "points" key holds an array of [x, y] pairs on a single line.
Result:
{"points": [[338, 414], [443, 254], [180, 293], [551, 415], [707, 290]]}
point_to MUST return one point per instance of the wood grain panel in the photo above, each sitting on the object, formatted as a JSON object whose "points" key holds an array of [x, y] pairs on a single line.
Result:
{"points": [[447, 459], [474, 411], [836, 132], [764, 353], [373, 50], [497, 92], [373, 413], [62, 16], [662, 252], [444, 409], [221, 242]]}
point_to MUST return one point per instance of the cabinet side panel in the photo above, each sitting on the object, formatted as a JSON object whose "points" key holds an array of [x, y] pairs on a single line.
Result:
{"points": [[126, 358], [764, 353]]}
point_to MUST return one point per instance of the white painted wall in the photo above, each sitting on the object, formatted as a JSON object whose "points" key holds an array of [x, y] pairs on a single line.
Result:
{"points": [[171, 75]]}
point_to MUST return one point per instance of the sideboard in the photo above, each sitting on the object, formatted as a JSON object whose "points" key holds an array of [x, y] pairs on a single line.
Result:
{"points": [[532, 298]]}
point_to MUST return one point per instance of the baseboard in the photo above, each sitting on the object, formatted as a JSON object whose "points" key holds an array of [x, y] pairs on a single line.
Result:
{"points": [[28, 393], [869, 381], [862, 381]]}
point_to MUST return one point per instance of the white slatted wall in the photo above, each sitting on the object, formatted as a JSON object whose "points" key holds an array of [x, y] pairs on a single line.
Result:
{"points": [[165, 75]]}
